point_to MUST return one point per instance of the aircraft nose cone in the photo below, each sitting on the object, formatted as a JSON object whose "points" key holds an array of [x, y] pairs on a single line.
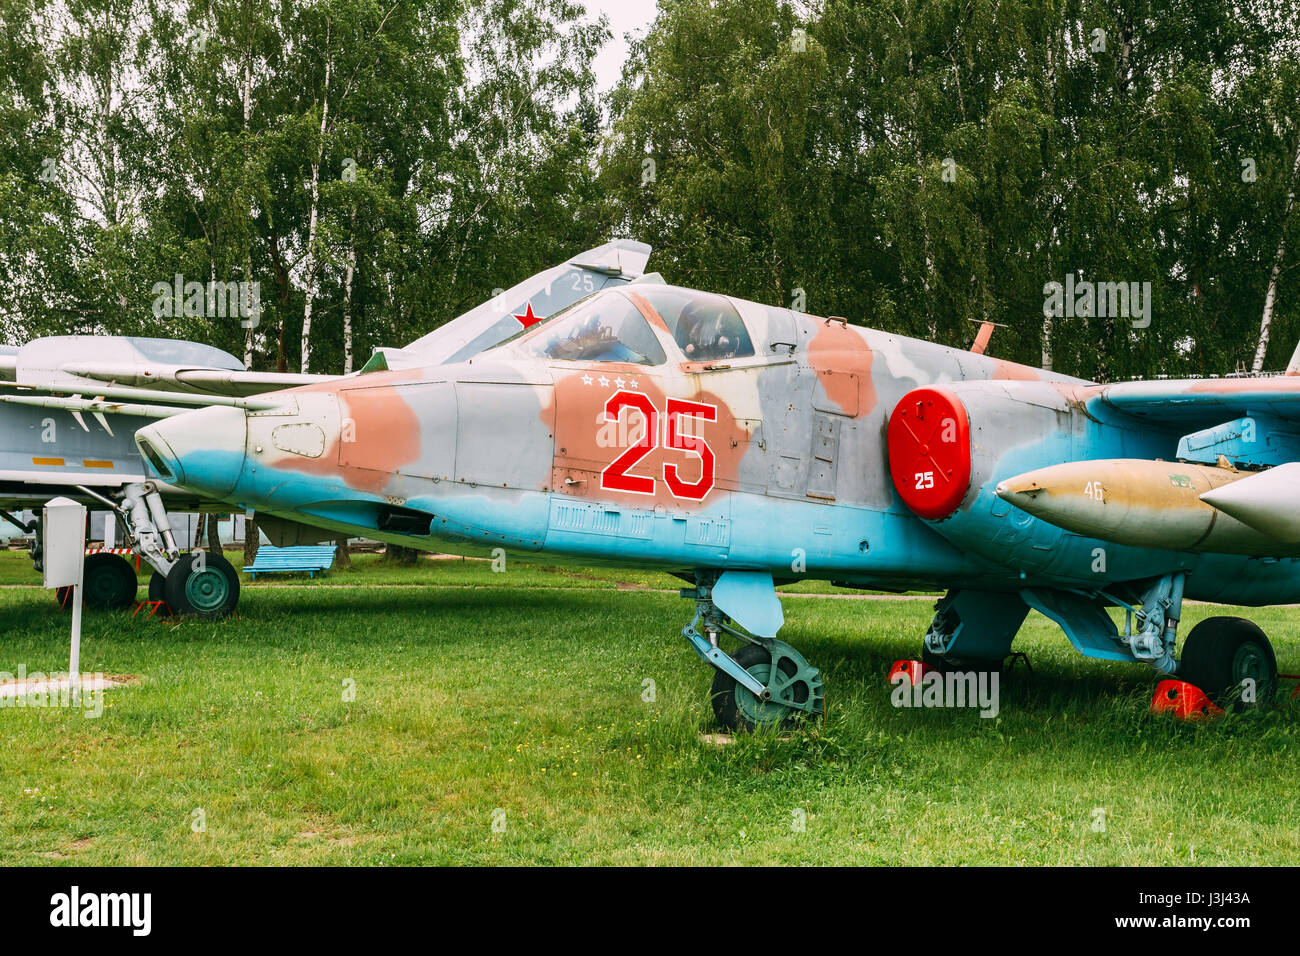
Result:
{"points": [[202, 450]]}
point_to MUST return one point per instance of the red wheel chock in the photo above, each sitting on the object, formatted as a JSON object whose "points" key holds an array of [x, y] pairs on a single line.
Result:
{"points": [[1295, 677], [158, 608], [912, 670], [1185, 701]]}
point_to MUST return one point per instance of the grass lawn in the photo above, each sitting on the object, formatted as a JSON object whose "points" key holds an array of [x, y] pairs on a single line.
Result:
{"points": [[517, 698]]}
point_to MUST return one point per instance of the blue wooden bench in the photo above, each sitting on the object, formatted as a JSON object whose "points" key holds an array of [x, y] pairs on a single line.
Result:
{"points": [[309, 558]]}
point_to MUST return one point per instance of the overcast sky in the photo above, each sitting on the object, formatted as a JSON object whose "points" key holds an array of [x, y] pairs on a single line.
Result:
{"points": [[624, 16]]}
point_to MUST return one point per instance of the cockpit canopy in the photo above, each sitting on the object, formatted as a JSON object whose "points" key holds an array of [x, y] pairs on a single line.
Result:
{"points": [[705, 326], [602, 328], [609, 327]]}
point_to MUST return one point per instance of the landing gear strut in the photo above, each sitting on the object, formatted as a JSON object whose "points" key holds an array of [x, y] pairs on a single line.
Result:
{"points": [[198, 583], [766, 683]]}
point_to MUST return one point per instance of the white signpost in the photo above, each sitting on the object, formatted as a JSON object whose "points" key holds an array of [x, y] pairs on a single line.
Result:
{"points": [[63, 546]]}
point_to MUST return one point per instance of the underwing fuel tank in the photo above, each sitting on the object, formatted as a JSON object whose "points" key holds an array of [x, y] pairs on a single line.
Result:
{"points": [[1141, 503]]}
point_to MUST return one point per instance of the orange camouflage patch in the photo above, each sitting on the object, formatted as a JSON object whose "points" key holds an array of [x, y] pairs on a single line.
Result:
{"points": [[842, 360], [380, 429], [589, 446]]}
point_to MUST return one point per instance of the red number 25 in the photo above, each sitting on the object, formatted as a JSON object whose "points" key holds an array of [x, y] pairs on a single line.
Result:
{"points": [[615, 477]]}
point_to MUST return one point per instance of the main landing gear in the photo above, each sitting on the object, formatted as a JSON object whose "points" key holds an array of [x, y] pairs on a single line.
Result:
{"points": [[1231, 661], [198, 583], [766, 682], [108, 583], [1226, 662]]}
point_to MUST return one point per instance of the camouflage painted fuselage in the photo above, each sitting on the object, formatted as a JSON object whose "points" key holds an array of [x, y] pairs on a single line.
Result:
{"points": [[774, 461]]}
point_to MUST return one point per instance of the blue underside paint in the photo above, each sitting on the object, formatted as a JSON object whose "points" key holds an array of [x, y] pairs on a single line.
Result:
{"points": [[1084, 622], [749, 598], [987, 623], [790, 540]]}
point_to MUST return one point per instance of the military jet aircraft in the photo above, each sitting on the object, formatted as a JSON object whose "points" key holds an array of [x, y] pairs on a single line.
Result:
{"points": [[70, 406], [741, 446]]}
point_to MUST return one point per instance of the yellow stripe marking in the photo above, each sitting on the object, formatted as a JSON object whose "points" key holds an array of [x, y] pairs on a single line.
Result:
{"points": [[48, 461], [96, 463]]}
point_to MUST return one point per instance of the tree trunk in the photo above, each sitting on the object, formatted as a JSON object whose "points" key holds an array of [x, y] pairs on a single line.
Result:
{"points": [[281, 273], [396, 554], [214, 534], [311, 265], [1270, 296], [349, 271], [250, 539], [248, 251]]}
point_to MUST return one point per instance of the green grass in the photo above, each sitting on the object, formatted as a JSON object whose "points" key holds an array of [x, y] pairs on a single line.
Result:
{"points": [[433, 570], [508, 693]]}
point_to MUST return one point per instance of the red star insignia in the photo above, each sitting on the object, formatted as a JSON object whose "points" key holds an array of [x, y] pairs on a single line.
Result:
{"points": [[528, 319]]}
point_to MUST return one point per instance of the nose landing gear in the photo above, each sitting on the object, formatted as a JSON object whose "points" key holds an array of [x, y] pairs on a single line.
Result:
{"points": [[792, 689], [765, 683], [202, 585]]}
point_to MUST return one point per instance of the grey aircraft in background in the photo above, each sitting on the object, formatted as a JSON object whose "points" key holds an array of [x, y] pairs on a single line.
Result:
{"points": [[70, 407]]}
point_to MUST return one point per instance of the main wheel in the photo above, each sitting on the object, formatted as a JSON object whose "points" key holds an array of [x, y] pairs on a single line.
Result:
{"points": [[1232, 660], [794, 682], [204, 586], [108, 583]]}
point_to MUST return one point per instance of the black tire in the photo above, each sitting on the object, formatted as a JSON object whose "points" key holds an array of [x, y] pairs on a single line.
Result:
{"points": [[1220, 653], [206, 588], [108, 583], [723, 693], [156, 584]]}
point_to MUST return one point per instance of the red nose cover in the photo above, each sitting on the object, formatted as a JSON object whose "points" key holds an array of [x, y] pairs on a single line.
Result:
{"points": [[929, 451]]}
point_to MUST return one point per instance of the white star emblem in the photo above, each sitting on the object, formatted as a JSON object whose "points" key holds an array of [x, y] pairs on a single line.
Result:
{"points": [[632, 383], [619, 382], [603, 381], [586, 380]]}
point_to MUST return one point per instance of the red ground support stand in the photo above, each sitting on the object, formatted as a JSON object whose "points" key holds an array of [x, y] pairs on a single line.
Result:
{"points": [[1295, 677], [1185, 701], [913, 670], [156, 608]]}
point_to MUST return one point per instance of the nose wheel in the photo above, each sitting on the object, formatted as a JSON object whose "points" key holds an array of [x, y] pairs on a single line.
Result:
{"points": [[201, 585], [792, 689]]}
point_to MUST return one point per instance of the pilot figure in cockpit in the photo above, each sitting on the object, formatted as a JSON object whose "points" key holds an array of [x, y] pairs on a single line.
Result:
{"points": [[703, 335]]}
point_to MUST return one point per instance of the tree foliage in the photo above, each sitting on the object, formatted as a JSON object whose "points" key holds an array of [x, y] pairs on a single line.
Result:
{"points": [[919, 165], [378, 167]]}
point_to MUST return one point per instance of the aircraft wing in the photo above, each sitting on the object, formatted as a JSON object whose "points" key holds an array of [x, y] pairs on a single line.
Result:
{"points": [[201, 381], [1202, 401], [88, 363], [1237, 454]]}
